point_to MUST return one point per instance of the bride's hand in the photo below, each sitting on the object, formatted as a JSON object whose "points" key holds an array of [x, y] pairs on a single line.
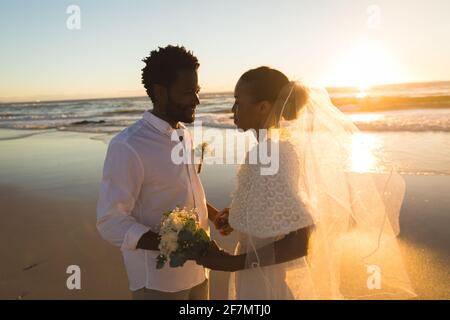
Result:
{"points": [[221, 222], [216, 259]]}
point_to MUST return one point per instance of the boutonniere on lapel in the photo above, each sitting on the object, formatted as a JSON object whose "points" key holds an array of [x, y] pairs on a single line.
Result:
{"points": [[202, 149]]}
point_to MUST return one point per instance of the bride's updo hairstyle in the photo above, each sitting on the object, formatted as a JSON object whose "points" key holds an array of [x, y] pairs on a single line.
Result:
{"points": [[267, 84]]}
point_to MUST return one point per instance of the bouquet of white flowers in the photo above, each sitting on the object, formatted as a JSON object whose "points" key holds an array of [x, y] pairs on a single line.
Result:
{"points": [[181, 238]]}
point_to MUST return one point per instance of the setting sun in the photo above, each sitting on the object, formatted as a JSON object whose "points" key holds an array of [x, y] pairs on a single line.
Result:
{"points": [[365, 65]]}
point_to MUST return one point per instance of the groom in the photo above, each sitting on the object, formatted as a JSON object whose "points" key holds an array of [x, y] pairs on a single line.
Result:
{"points": [[140, 181]]}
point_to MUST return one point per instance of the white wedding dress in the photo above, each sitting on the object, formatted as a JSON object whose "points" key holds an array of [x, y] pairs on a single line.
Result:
{"points": [[264, 209], [355, 217]]}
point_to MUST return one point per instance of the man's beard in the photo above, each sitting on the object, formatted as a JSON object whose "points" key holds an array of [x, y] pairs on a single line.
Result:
{"points": [[182, 113]]}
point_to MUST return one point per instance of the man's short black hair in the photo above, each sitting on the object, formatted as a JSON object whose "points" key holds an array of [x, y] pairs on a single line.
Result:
{"points": [[162, 66]]}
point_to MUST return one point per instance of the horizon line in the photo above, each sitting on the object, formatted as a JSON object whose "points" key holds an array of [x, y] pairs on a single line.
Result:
{"points": [[202, 93]]}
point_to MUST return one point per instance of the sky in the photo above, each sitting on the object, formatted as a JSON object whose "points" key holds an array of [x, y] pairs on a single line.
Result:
{"points": [[327, 42]]}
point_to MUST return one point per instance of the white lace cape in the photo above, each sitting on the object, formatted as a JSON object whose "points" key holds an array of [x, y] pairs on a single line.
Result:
{"points": [[266, 206]]}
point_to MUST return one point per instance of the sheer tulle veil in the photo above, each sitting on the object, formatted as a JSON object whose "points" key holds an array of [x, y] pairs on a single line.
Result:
{"points": [[353, 250]]}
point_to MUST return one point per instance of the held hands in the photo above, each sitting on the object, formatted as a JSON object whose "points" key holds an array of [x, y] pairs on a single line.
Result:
{"points": [[217, 259], [221, 222]]}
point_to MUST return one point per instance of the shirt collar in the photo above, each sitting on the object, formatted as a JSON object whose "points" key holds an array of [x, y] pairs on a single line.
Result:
{"points": [[160, 124]]}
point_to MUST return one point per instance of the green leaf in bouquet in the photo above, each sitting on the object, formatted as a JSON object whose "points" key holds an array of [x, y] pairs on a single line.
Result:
{"points": [[202, 235], [177, 259], [160, 262], [185, 235], [199, 247], [196, 250], [190, 225]]}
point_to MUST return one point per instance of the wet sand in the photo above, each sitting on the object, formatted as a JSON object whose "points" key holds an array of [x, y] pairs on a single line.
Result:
{"points": [[48, 192]]}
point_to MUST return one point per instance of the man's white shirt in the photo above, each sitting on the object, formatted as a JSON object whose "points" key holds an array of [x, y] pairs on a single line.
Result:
{"points": [[140, 182]]}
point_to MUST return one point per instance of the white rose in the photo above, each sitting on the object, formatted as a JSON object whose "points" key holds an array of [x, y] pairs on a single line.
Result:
{"points": [[169, 241], [173, 246], [177, 224]]}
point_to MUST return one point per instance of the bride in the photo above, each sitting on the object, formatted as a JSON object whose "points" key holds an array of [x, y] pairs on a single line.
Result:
{"points": [[314, 229]]}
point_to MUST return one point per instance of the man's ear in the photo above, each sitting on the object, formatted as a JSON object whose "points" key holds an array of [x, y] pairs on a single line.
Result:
{"points": [[160, 93]]}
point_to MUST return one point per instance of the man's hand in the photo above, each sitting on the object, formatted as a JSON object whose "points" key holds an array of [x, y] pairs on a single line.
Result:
{"points": [[148, 241], [221, 222]]}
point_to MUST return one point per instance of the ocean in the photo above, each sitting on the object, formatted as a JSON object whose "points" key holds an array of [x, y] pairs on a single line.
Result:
{"points": [[405, 125]]}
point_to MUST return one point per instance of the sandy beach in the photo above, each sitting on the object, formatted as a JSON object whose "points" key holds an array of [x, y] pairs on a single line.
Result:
{"points": [[48, 191]]}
